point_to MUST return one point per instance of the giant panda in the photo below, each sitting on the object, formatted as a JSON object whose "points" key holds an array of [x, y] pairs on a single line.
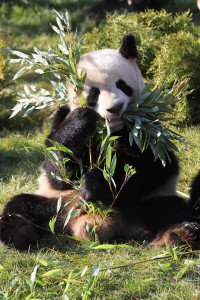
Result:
{"points": [[147, 207]]}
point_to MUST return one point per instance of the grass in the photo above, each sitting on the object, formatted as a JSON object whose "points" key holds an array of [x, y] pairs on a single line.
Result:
{"points": [[155, 279], [28, 25], [20, 158]]}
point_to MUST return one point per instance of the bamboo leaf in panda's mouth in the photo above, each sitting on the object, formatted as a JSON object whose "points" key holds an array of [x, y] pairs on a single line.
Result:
{"points": [[147, 121]]}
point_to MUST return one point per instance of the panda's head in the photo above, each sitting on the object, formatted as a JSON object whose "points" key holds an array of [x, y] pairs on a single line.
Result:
{"points": [[113, 80]]}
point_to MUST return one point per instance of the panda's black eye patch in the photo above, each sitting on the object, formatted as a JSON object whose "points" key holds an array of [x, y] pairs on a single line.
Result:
{"points": [[125, 88], [93, 96]]}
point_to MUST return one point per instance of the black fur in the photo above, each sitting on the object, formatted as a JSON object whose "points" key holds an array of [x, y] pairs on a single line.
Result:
{"points": [[93, 96], [24, 218], [150, 174], [72, 133], [59, 117], [195, 197], [126, 89], [128, 48]]}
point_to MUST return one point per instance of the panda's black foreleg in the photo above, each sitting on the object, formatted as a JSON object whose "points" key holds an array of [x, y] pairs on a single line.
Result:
{"points": [[72, 132], [74, 129]]}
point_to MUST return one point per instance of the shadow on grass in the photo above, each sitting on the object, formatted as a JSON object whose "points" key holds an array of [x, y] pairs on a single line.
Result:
{"points": [[20, 162], [35, 18]]}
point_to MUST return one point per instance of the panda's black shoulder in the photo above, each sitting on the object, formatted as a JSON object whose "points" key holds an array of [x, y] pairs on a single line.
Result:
{"points": [[59, 116]]}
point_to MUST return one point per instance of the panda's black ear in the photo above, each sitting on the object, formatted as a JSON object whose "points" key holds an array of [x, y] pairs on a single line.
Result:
{"points": [[128, 48]]}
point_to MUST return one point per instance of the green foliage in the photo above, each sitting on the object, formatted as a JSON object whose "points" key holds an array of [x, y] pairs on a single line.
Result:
{"points": [[3, 57], [168, 47], [57, 64], [8, 94], [178, 58], [26, 22], [5, 81], [147, 120]]}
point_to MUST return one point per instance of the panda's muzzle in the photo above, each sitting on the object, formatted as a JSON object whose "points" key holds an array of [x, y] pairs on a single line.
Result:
{"points": [[116, 109]]}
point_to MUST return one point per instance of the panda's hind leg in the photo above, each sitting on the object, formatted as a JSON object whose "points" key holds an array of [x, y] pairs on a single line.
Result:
{"points": [[24, 219], [107, 229], [185, 233], [18, 231], [170, 218]]}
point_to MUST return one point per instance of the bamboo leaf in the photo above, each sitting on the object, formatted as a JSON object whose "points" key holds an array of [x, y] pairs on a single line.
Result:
{"points": [[84, 271], [33, 276], [69, 215], [52, 223], [43, 262], [29, 297], [59, 15], [56, 29], [14, 52], [59, 204], [96, 270], [108, 157], [52, 273], [113, 165], [63, 49], [105, 175], [22, 71], [104, 247], [16, 110], [15, 60], [39, 71], [59, 24]]}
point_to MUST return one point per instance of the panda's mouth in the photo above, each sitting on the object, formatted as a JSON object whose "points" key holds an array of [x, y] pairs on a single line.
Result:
{"points": [[115, 122]]}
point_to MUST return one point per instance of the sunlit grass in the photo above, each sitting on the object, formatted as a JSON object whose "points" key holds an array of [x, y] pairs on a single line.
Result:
{"points": [[189, 156], [20, 157]]}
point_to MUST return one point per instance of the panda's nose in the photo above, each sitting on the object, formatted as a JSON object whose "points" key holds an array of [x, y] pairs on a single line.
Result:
{"points": [[115, 109]]}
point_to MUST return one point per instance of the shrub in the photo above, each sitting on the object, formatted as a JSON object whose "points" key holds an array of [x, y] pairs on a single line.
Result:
{"points": [[177, 58], [5, 82], [168, 47]]}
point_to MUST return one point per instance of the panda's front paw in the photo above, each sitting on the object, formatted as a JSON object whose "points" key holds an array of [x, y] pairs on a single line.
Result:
{"points": [[83, 119], [95, 188]]}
